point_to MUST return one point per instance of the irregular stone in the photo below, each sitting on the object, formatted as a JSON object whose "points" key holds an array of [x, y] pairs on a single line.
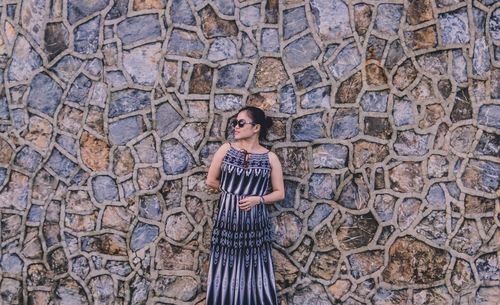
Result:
{"points": [[288, 228], [124, 130], [403, 112], [388, 18], [435, 62], [183, 288], [403, 269], [95, 119], [129, 100], [70, 119], [104, 189], [316, 98], [11, 263], [307, 78], [269, 40], [384, 206], [60, 164], [362, 17], [312, 293], [349, 89], [462, 137], [433, 227], [45, 94], [345, 62], [79, 89], [405, 75], [321, 212], [78, 10], [394, 55], [365, 263], [467, 240], [462, 277], [321, 186], [355, 193], [481, 59], [331, 18], [454, 27], [146, 150], [378, 127], [123, 161], [437, 166], [375, 48], [308, 128], [250, 15], [141, 27], [228, 102], [10, 291], [87, 36], [294, 21], [425, 38], [222, 49], [94, 152], [488, 145], [419, 11], [389, 297], [117, 218], [287, 99], [167, 119], [459, 70], [141, 63], [406, 177], [248, 48], [119, 268], [148, 4], [148, 178], [432, 114], [409, 143], [107, 243], [233, 76], [25, 60], [435, 197], [294, 160], [286, 272], [330, 156], [408, 211], [214, 26], [142, 235], [488, 115], [482, 176], [28, 158], [324, 264], [301, 52], [178, 227], [102, 289], [270, 72], [368, 152], [375, 75], [171, 257], [462, 108], [176, 158], [487, 295], [374, 101], [494, 25], [201, 79], [437, 295], [356, 231]]}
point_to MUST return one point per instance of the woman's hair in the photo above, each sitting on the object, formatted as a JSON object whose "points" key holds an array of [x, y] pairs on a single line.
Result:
{"points": [[259, 117]]}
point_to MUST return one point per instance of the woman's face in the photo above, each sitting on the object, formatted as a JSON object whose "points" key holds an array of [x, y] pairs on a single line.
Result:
{"points": [[248, 130]]}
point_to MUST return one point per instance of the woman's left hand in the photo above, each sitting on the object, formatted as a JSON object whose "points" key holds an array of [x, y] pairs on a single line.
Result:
{"points": [[248, 202]]}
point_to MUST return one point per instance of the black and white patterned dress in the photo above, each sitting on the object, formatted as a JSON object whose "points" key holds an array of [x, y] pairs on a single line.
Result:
{"points": [[241, 269]]}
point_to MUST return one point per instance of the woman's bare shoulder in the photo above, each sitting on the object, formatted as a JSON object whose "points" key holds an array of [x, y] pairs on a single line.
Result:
{"points": [[273, 158]]}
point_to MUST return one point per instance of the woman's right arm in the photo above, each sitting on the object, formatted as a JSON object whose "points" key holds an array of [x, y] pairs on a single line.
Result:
{"points": [[213, 176]]}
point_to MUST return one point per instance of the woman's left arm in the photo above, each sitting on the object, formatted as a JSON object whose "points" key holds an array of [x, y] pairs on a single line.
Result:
{"points": [[277, 183]]}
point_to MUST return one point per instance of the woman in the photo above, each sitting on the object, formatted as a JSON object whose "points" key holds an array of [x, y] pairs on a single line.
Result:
{"points": [[241, 269]]}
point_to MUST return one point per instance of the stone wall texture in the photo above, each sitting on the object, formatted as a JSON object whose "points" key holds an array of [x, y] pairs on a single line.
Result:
{"points": [[387, 123]]}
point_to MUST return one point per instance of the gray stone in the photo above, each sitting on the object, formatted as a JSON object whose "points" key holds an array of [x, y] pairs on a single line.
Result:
{"points": [[269, 40], [488, 115], [481, 59], [435, 197], [481, 175], [102, 289], [331, 18], [118, 267], [488, 267], [248, 48], [433, 227], [181, 12], [454, 27], [67, 67], [294, 21], [308, 128], [116, 79], [28, 158], [409, 143], [355, 193], [104, 189], [25, 60], [388, 18], [321, 212], [395, 54], [222, 49], [435, 62], [3, 175], [228, 102], [11, 263], [288, 100], [313, 293], [178, 227], [150, 207], [384, 206], [316, 98], [467, 240], [345, 62], [408, 211], [333, 156], [495, 82], [129, 100], [176, 158], [374, 101], [119, 9], [80, 266], [345, 124], [226, 7], [288, 228], [233, 76], [124, 130], [489, 144], [494, 25], [356, 230], [141, 63], [167, 119], [139, 288], [250, 15], [462, 108], [45, 94], [307, 78], [142, 27], [459, 70], [487, 295], [87, 36], [183, 288], [321, 186], [142, 235], [301, 52], [79, 89], [60, 164], [80, 9]]}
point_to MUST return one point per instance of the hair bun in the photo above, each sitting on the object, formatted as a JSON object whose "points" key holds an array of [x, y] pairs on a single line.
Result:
{"points": [[269, 122]]}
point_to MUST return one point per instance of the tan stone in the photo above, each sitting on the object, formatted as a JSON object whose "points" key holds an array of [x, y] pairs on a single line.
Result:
{"points": [[10, 225], [362, 17], [369, 152], [78, 201], [70, 119], [339, 288], [44, 186], [263, 100], [433, 113], [422, 39], [39, 132], [118, 218], [324, 264], [419, 11], [375, 75], [170, 73], [201, 79], [407, 177], [349, 89], [94, 152], [170, 257], [95, 119], [286, 271], [80, 223], [270, 72], [405, 75], [213, 26], [15, 194], [148, 177], [123, 161], [148, 4]]}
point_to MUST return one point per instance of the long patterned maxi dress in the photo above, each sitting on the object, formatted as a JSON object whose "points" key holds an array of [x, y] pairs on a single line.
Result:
{"points": [[241, 270]]}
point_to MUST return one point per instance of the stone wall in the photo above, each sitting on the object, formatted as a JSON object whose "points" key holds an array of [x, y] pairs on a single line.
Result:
{"points": [[386, 122]]}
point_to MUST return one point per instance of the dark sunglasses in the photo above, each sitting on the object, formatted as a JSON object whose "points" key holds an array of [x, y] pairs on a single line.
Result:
{"points": [[241, 123]]}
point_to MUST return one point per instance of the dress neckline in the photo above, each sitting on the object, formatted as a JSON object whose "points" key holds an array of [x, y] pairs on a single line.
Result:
{"points": [[241, 151]]}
